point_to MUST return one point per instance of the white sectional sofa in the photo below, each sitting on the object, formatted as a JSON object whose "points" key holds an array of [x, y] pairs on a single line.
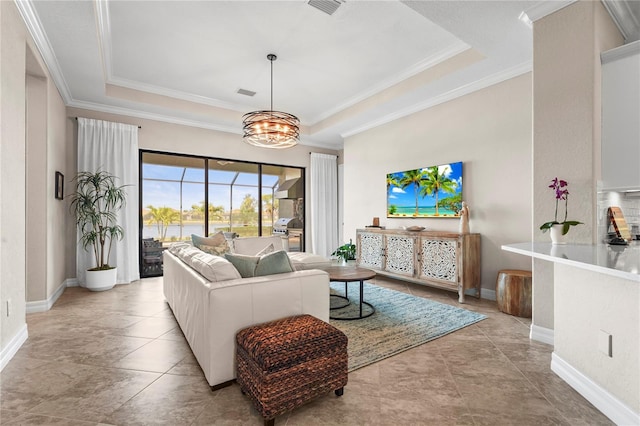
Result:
{"points": [[212, 304]]}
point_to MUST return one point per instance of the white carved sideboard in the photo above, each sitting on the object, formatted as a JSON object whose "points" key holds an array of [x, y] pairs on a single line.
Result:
{"points": [[446, 260]]}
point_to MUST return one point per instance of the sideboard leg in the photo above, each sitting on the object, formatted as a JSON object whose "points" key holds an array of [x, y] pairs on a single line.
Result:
{"points": [[460, 294]]}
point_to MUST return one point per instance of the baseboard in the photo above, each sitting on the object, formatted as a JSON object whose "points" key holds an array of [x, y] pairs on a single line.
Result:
{"points": [[489, 294], [12, 347], [608, 404], [541, 334], [45, 305]]}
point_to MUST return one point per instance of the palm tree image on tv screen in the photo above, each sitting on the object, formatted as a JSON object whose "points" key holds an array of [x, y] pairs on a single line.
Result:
{"points": [[434, 191]]}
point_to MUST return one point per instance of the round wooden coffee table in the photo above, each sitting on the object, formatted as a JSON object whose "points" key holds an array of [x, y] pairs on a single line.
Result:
{"points": [[349, 274]]}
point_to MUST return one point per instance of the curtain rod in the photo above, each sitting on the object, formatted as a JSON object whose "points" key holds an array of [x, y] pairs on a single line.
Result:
{"points": [[311, 152], [139, 127]]}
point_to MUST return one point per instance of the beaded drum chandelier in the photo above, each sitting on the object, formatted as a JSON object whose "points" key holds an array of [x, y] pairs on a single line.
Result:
{"points": [[271, 129]]}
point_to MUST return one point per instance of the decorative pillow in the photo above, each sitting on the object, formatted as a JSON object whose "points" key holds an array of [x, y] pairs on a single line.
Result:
{"points": [[184, 251], [214, 268], [246, 265], [216, 244], [274, 263], [268, 249]]}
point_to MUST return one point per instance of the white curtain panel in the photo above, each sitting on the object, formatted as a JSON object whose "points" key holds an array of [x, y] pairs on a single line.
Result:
{"points": [[113, 147], [324, 203]]}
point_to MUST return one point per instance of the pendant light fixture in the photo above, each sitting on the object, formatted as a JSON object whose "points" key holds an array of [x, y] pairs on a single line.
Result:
{"points": [[271, 129]]}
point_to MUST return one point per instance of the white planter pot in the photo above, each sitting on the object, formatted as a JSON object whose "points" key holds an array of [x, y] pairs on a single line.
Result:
{"points": [[101, 280], [556, 235]]}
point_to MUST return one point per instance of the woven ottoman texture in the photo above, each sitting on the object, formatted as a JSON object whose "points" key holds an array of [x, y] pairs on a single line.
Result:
{"points": [[285, 363]]}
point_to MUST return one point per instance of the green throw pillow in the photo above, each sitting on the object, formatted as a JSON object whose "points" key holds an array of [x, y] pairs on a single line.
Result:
{"points": [[246, 265], [276, 262]]}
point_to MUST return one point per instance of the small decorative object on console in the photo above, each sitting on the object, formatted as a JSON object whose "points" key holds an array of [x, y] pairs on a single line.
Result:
{"points": [[464, 219], [415, 228]]}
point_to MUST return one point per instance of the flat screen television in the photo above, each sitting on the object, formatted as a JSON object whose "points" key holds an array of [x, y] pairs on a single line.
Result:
{"points": [[434, 191]]}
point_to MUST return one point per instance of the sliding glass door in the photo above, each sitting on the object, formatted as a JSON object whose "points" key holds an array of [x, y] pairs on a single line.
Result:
{"points": [[183, 195]]}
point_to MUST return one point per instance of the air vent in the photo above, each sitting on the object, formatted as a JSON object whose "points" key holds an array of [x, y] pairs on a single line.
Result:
{"points": [[327, 6], [246, 92]]}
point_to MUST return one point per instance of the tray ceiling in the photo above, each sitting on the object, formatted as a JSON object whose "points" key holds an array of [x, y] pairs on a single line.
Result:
{"points": [[368, 63]]}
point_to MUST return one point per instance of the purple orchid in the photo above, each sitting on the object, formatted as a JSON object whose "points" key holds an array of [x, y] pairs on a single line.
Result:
{"points": [[559, 187]]}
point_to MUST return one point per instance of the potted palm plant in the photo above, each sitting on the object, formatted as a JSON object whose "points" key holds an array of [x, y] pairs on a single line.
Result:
{"points": [[95, 202]]}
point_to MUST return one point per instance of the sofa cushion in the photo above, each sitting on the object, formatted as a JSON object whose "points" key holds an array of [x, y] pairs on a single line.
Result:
{"points": [[216, 244], [276, 262], [302, 261], [251, 246], [214, 268], [245, 265], [184, 251]]}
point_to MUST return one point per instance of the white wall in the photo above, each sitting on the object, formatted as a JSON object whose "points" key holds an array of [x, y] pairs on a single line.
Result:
{"points": [[587, 302], [12, 180], [49, 152], [566, 130], [490, 131], [36, 183]]}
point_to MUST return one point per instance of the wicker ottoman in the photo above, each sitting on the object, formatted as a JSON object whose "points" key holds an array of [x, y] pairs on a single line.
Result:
{"points": [[285, 363]]}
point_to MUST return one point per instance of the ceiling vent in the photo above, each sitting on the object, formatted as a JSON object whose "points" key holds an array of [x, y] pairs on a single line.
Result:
{"points": [[246, 92], [327, 6]]}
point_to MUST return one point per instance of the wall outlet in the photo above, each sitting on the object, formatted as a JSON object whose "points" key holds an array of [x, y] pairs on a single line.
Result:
{"points": [[605, 343]]}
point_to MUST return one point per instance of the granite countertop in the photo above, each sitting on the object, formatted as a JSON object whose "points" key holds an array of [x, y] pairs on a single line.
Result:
{"points": [[619, 261]]}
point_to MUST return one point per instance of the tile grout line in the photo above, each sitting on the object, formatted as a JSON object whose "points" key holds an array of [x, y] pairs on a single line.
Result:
{"points": [[561, 415]]}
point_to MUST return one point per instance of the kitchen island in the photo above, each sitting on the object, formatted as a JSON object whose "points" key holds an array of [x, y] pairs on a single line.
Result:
{"points": [[596, 322]]}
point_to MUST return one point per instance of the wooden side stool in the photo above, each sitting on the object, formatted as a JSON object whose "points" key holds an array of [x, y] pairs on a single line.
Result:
{"points": [[285, 363], [513, 292]]}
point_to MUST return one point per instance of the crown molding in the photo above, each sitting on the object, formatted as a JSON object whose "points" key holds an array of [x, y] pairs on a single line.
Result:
{"points": [[624, 19], [176, 94], [34, 26], [92, 106], [104, 37], [431, 61], [620, 52], [542, 9], [109, 109], [446, 97]]}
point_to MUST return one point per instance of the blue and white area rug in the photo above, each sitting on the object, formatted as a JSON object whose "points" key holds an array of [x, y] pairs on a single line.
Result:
{"points": [[401, 322]]}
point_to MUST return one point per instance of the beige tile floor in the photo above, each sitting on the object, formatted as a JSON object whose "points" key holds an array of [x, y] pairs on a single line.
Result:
{"points": [[118, 358]]}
